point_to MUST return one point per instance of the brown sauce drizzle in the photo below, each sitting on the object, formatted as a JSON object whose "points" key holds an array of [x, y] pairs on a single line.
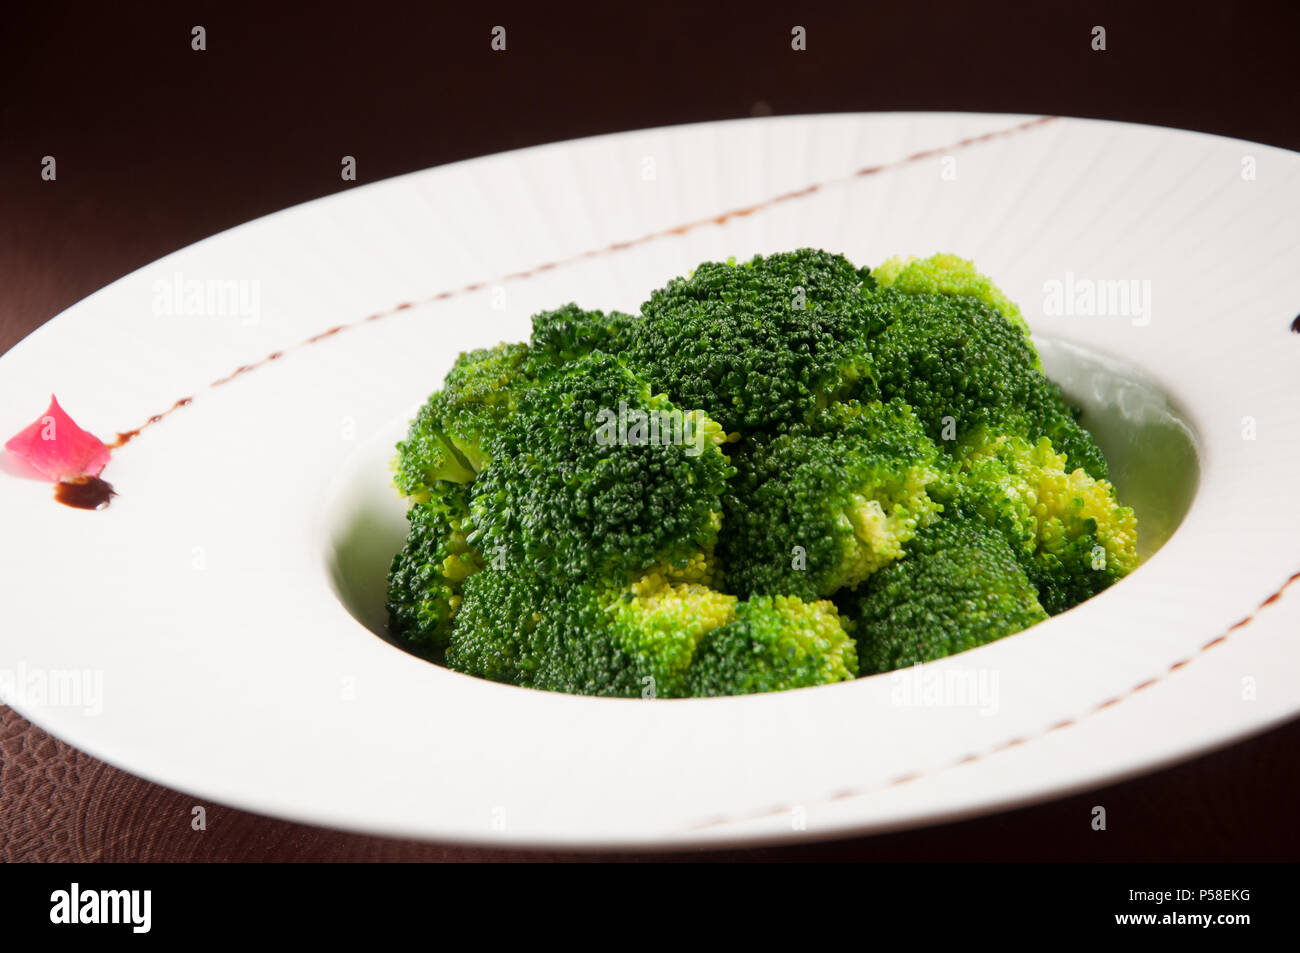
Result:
{"points": [[87, 493], [125, 437], [1295, 325]]}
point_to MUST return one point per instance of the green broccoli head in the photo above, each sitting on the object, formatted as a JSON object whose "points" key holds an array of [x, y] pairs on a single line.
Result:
{"points": [[948, 275], [824, 505], [568, 333], [596, 478], [958, 587], [761, 343], [962, 367], [654, 638], [449, 436], [658, 624], [427, 576], [504, 624], [1070, 532], [520, 627], [447, 440], [774, 643]]}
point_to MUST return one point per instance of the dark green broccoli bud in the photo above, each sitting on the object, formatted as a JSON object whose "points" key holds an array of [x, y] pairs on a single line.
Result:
{"points": [[1069, 531], [595, 478], [824, 505], [959, 587], [569, 333], [427, 576], [760, 343], [774, 643], [496, 633], [446, 441], [962, 367]]}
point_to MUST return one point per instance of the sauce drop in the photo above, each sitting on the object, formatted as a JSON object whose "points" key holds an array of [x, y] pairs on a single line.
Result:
{"points": [[88, 493]]}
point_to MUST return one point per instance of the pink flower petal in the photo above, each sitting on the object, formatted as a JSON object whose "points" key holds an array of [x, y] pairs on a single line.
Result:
{"points": [[58, 448]]}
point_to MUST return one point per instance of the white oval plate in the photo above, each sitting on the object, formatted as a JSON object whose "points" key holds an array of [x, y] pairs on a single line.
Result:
{"points": [[201, 601]]}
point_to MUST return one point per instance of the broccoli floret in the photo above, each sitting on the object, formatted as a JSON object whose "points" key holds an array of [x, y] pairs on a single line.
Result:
{"points": [[760, 343], [652, 639], [959, 587], [948, 275], [502, 626], [569, 333], [774, 643], [446, 441], [595, 478], [962, 366], [520, 627], [448, 438], [824, 505], [427, 576], [659, 624], [1070, 532]]}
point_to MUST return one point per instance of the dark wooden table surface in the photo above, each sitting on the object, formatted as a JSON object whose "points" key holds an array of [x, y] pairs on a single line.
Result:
{"points": [[158, 145]]}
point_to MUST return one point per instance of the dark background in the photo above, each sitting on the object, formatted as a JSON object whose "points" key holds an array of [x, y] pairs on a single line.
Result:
{"points": [[158, 146]]}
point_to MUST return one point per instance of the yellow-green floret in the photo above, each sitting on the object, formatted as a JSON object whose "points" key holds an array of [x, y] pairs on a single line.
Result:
{"points": [[947, 274], [774, 643], [1069, 531]]}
